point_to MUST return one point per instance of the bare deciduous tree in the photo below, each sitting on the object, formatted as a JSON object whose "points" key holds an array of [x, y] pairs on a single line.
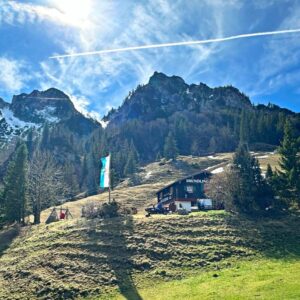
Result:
{"points": [[45, 183], [222, 188]]}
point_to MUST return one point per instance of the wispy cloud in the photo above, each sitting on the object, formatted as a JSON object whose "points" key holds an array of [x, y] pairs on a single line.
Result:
{"points": [[13, 75], [158, 20], [106, 80], [278, 65], [201, 28]]}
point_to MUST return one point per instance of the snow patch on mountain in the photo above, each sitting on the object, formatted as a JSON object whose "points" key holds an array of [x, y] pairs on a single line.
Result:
{"points": [[47, 114], [13, 121]]}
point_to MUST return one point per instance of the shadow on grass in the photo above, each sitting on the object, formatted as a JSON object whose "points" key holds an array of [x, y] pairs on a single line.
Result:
{"points": [[275, 236], [113, 234], [7, 235]]}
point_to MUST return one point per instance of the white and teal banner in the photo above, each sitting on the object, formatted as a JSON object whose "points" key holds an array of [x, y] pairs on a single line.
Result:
{"points": [[104, 173]]}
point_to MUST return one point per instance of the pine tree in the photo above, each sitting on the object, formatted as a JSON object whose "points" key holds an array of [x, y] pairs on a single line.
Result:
{"points": [[260, 128], [212, 145], [30, 143], [243, 163], [113, 178], [269, 174], [92, 178], [45, 137], [195, 147], [2, 210], [71, 180], [131, 165], [253, 127], [134, 151], [117, 164], [158, 156], [270, 186], [252, 191], [289, 175], [236, 126], [14, 194], [84, 173], [244, 129], [170, 147], [263, 193]]}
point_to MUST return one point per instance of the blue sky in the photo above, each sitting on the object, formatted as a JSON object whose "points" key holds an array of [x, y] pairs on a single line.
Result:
{"points": [[266, 68]]}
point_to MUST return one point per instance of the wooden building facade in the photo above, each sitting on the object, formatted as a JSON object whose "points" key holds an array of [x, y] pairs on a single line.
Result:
{"points": [[184, 193]]}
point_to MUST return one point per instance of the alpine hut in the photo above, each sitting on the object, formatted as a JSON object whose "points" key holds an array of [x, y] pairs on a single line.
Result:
{"points": [[184, 193]]}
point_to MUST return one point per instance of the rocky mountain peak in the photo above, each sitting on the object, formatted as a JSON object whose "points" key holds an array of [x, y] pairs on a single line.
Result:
{"points": [[161, 77], [165, 95], [36, 109], [161, 80], [37, 106], [55, 94]]}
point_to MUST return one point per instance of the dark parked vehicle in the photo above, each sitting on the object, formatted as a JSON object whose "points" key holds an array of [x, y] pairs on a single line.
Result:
{"points": [[158, 209]]}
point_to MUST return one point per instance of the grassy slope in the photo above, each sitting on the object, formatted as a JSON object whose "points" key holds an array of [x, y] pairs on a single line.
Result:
{"points": [[86, 258], [152, 177], [81, 258], [255, 279], [156, 175]]}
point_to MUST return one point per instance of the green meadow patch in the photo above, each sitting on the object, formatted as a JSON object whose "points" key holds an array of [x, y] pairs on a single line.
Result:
{"points": [[255, 279]]}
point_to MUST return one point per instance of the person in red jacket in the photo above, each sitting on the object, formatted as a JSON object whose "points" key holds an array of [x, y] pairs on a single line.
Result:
{"points": [[62, 215]]}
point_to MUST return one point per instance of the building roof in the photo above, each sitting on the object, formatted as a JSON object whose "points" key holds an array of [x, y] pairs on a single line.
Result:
{"points": [[184, 178]]}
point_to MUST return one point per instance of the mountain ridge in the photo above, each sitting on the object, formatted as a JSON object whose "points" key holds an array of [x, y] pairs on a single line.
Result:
{"points": [[198, 120], [37, 108], [164, 95]]}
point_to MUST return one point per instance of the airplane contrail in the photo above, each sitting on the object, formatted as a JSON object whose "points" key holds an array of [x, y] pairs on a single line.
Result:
{"points": [[186, 43]]}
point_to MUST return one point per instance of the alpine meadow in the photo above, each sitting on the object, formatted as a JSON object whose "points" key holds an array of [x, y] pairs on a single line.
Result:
{"points": [[149, 150]]}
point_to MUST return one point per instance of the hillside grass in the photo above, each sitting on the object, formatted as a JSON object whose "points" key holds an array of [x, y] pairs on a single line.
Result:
{"points": [[256, 279], [132, 257], [152, 177], [153, 258], [156, 175]]}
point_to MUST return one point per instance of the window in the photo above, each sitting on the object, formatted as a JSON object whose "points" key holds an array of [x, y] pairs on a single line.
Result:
{"points": [[190, 189]]}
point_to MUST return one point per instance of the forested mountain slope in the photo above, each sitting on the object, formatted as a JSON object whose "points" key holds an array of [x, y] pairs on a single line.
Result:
{"points": [[194, 119], [164, 117]]}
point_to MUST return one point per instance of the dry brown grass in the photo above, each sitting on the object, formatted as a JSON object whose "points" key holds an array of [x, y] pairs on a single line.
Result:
{"points": [[156, 175], [268, 158]]}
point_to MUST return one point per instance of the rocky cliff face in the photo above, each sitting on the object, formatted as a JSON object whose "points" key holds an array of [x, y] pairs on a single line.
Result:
{"points": [[26, 118], [39, 107], [36, 109], [164, 95]]}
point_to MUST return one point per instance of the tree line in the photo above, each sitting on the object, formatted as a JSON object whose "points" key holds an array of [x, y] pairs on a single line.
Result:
{"points": [[59, 164], [139, 141], [243, 188], [196, 133], [33, 182]]}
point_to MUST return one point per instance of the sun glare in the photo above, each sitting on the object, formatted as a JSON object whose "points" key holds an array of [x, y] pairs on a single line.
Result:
{"points": [[75, 11]]}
